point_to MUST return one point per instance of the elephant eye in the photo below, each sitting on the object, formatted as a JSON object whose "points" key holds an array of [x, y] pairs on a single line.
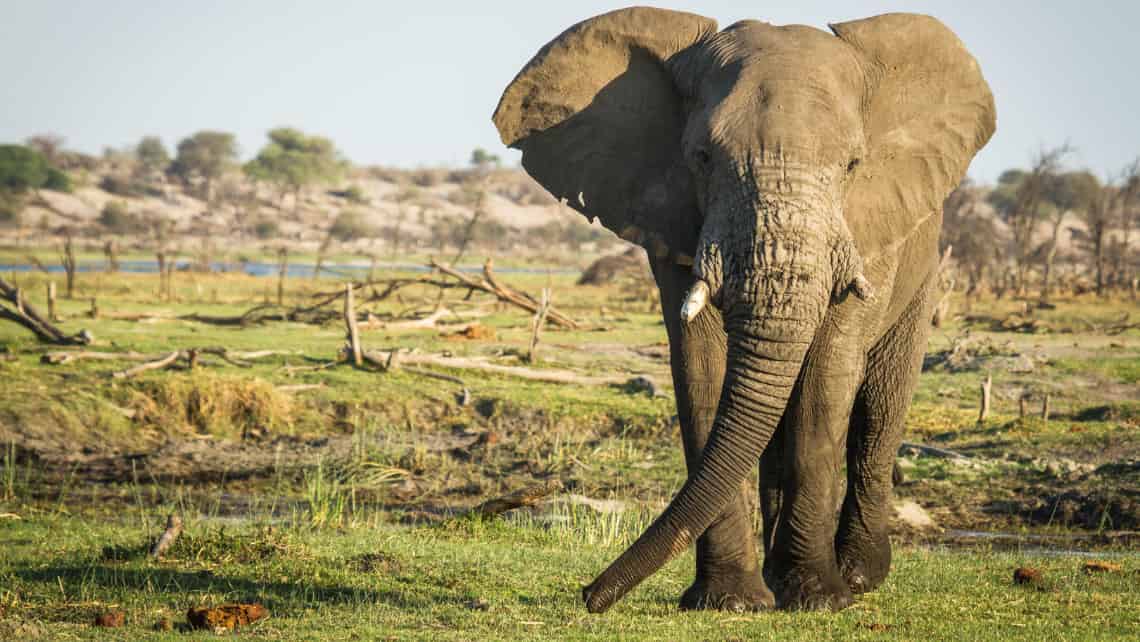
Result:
{"points": [[852, 164]]}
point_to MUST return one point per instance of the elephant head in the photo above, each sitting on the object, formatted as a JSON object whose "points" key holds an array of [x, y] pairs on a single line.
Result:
{"points": [[777, 161]]}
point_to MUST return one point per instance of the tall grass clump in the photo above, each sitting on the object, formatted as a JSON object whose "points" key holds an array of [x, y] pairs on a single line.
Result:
{"points": [[224, 406]]}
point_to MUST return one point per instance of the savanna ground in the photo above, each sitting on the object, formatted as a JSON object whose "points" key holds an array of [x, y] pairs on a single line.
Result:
{"points": [[334, 495]]}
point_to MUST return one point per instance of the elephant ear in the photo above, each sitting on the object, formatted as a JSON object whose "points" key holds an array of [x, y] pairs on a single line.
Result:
{"points": [[928, 111], [599, 120]]}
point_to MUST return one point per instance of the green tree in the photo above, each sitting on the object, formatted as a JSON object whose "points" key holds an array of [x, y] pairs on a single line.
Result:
{"points": [[204, 156], [118, 219], [152, 155], [293, 160], [480, 158], [24, 170]]}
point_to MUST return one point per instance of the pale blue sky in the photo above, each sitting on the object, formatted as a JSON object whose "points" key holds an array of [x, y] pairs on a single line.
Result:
{"points": [[414, 83]]}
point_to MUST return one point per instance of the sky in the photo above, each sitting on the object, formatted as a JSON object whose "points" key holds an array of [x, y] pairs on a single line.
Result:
{"points": [[414, 83]]}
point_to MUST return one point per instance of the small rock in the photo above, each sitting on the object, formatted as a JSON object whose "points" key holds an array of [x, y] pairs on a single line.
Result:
{"points": [[478, 604], [1028, 575], [905, 463], [111, 619], [642, 383], [489, 438]]}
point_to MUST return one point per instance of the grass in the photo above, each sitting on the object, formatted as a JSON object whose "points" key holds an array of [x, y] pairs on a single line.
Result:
{"points": [[298, 498], [503, 580]]}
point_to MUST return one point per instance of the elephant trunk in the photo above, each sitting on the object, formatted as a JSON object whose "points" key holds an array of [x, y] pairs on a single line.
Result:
{"points": [[763, 361], [774, 287]]}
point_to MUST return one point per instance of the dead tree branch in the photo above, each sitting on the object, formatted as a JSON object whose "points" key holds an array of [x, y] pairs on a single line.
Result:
{"points": [[504, 293], [157, 364], [26, 315], [352, 333], [392, 360], [173, 530], [528, 496]]}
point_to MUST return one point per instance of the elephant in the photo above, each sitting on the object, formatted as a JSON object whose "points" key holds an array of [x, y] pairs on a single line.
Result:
{"points": [[787, 184]]}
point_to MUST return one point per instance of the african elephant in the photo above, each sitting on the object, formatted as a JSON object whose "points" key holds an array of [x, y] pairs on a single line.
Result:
{"points": [[787, 184]]}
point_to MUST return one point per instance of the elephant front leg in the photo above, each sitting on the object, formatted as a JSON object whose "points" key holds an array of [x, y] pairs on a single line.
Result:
{"points": [[800, 563], [877, 424], [728, 571]]}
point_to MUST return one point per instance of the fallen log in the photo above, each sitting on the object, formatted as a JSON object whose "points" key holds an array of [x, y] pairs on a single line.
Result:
{"points": [[26, 315], [528, 496], [157, 364], [237, 358], [387, 360], [62, 357], [266, 312], [940, 453]]}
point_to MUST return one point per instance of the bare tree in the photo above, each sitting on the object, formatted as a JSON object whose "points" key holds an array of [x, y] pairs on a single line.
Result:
{"points": [[50, 145], [1078, 193], [1125, 260], [1109, 206], [70, 265], [1021, 199]]}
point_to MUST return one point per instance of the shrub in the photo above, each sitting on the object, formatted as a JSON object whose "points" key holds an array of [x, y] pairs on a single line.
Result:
{"points": [[353, 194], [266, 229], [428, 177], [117, 218], [21, 169], [10, 215], [120, 186], [57, 180], [350, 225]]}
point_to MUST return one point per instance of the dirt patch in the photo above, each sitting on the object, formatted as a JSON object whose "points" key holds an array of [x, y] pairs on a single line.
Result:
{"points": [[473, 332], [384, 563]]}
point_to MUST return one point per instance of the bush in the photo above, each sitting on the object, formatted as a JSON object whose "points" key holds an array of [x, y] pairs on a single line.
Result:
{"points": [[120, 186], [57, 181], [117, 218], [266, 229], [21, 169], [353, 194], [428, 177], [9, 214], [350, 226]]}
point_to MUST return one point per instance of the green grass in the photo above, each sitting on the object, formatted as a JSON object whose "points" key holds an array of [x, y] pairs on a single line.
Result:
{"points": [[496, 580], [318, 541]]}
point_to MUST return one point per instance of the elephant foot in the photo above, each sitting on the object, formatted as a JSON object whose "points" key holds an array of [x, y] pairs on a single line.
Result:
{"points": [[864, 567], [810, 590], [739, 594]]}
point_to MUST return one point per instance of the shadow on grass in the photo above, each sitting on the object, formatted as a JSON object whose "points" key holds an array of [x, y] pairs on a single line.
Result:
{"points": [[108, 581]]}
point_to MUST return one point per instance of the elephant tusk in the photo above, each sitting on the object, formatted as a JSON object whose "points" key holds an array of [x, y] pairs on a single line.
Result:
{"points": [[695, 301], [863, 288]]}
